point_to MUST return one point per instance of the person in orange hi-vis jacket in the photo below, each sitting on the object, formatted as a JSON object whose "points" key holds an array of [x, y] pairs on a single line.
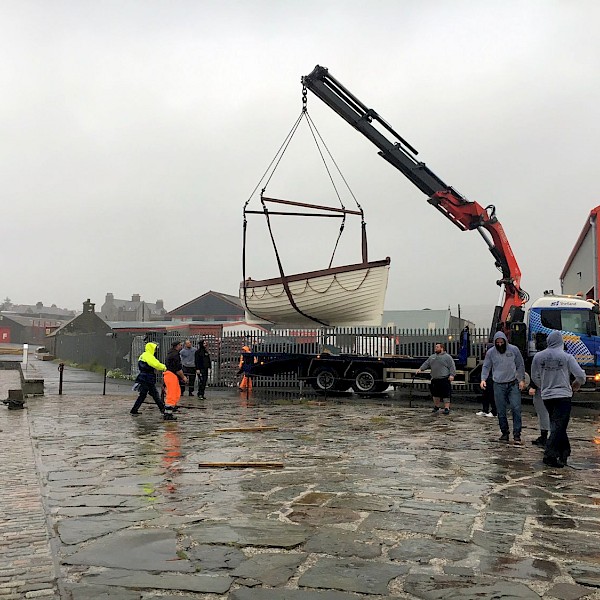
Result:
{"points": [[172, 378], [246, 383]]}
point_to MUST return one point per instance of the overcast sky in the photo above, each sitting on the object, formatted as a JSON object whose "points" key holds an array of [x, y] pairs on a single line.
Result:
{"points": [[132, 133]]}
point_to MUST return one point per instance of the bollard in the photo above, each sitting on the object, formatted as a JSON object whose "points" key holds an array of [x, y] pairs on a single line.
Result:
{"points": [[61, 368], [104, 387]]}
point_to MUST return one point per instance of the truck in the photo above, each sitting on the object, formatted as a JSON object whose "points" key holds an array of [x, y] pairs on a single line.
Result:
{"points": [[575, 317]]}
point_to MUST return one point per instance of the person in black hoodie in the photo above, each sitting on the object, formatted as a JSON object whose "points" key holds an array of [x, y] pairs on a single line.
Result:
{"points": [[203, 364]]}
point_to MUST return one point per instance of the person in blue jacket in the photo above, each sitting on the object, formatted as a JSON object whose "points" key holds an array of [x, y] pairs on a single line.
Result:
{"points": [[148, 364]]}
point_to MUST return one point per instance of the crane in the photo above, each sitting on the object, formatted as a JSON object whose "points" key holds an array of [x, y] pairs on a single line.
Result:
{"points": [[465, 214]]}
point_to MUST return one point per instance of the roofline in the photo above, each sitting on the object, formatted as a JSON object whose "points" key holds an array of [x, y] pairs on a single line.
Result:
{"points": [[206, 294], [586, 228]]}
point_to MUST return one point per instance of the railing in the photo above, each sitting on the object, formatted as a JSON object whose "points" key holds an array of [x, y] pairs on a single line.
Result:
{"points": [[372, 341]]}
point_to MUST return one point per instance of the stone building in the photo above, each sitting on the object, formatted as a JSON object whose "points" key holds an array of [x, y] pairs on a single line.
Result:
{"points": [[135, 309]]}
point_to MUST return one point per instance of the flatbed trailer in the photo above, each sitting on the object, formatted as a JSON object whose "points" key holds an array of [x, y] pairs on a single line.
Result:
{"points": [[340, 372]]}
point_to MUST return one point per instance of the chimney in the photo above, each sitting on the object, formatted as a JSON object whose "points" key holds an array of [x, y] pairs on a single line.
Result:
{"points": [[88, 307], [160, 305], [135, 298], [109, 297]]}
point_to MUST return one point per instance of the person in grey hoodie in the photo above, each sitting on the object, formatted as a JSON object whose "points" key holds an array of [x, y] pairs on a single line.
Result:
{"points": [[508, 372], [443, 371], [551, 371]]}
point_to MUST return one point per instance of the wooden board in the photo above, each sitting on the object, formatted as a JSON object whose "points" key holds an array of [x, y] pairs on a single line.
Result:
{"points": [[248, 429], [242, 465]]}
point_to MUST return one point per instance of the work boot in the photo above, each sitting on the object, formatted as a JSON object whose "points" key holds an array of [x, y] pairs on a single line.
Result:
{"points": [[503, 437], [435, 409], [168, 414]]}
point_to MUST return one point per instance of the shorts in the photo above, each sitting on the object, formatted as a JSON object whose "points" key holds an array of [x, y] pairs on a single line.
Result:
{"points": [[441, 388]]}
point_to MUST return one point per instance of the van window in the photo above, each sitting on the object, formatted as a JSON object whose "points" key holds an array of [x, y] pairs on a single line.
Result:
{"points": [[569, 320]]}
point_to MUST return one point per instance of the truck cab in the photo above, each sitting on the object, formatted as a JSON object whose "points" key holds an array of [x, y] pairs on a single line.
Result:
{"points": [[576, 318]]}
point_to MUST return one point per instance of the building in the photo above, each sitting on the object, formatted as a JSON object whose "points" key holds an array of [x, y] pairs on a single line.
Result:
{"points": [[87, 340], [39, 310], [212, 306], [581, 273], [135, 309], [15, 329], [426, 319]]}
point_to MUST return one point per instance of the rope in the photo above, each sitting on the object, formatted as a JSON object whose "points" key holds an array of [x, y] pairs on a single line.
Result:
{"points": [[284, 280]]}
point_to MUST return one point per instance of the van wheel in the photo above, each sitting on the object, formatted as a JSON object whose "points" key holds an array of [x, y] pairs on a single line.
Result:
{"points": [[365, 382], [325, 379]]}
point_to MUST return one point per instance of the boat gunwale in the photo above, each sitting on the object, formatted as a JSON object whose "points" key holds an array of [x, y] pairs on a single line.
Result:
{"points": [[251, 283]]}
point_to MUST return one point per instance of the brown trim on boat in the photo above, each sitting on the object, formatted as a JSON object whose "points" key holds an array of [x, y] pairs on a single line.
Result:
{"points": [[251, 283], [305, 205]]}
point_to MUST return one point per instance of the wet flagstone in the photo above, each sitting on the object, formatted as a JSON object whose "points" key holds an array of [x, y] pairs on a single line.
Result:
{"points": [[149, 549], [375, 500], [568, 591], [586, 574], [352, 575], [270, 569], [514, 568], [450, 587], [338, 542], [423, 550], [250, 533], [210, 584]]}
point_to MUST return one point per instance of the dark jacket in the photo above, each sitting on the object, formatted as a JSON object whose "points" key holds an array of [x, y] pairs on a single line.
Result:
{"points": [[202, 358], [173, 361]]}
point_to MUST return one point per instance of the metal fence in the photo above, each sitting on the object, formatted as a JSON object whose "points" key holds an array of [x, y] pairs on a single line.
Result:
{"points": [[225, 351]]}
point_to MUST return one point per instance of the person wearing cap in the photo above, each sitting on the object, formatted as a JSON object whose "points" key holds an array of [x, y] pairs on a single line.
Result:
{"points": [[145, 382], [172, 378]]}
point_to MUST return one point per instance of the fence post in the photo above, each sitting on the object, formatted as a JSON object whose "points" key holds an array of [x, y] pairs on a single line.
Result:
{"points": [[61, 368]]}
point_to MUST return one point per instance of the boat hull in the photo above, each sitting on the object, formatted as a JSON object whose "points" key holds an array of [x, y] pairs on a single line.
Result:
{"points": [[352, 295]]}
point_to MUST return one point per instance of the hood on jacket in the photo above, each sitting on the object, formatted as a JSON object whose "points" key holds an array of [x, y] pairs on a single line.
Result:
{"points": [[500, 335], [151, 348], [555, 340]]}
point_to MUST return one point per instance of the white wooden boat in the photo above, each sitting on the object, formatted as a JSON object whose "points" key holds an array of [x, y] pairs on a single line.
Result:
{"points": [[343, 296]]}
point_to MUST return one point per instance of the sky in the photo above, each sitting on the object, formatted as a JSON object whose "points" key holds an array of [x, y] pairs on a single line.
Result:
{"points": [[133, 132]]}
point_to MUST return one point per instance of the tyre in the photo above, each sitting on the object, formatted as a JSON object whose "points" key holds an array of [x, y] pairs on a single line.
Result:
{"points": [[367, 381], [325, 379]]}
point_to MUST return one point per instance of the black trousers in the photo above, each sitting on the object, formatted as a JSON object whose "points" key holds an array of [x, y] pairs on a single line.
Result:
{"points": [[202, 381], [487, 399], [558, 445], [145, 389], [191, 375]]}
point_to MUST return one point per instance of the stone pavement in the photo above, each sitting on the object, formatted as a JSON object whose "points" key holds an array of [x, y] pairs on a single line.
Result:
{"points": [[374, 500]]}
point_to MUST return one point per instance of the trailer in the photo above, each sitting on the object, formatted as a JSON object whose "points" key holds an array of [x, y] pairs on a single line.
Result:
{"points": [[327, 372]]}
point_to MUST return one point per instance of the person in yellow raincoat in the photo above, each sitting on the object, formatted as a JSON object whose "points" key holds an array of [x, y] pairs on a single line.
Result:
{"points": [[145, 382]]}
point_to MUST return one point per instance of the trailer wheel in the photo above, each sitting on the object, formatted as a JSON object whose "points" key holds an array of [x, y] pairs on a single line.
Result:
{"points": [[325, 379], [365, 382]]}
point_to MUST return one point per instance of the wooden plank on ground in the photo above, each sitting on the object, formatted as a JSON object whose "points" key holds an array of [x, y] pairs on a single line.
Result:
{"points": [[242, 465], [248, 429]]}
